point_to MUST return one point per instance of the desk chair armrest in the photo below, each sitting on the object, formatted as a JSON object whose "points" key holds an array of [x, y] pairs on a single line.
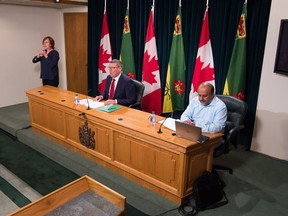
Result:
{"points": [[231, 134]]}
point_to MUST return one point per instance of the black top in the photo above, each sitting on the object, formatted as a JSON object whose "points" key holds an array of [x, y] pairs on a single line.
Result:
{"points": [[49, 65]]}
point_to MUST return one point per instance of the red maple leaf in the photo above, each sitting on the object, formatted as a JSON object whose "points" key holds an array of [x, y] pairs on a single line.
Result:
{"points": [[104, 58], [148, 68], [202, 74]]}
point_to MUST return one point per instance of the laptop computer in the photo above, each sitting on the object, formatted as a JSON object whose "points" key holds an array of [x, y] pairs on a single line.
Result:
{"points": [[190, 132]]}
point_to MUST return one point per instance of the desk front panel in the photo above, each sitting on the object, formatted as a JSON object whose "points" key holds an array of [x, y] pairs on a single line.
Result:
{"points": [[124, 142]]}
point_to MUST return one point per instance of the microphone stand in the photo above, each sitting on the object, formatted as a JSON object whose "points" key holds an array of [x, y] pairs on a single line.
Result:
{"points": [[159, 130], [88, 107]]}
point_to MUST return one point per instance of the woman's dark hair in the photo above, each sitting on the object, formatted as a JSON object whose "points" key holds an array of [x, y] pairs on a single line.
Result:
{"points": [[51, 41]]}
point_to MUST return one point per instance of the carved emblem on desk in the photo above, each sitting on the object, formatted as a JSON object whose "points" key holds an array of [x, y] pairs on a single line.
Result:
{"points": [[86, 136]]}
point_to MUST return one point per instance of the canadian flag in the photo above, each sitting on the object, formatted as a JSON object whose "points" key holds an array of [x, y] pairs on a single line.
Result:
{"points": [[152, 98], [105, 54], [204, 65]]}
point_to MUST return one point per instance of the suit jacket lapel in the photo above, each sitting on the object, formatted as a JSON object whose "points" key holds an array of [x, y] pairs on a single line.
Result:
{"points": [[107, 86]]}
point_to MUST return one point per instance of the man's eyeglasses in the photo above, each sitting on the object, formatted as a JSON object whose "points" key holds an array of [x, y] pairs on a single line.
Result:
{"points": [[112, 67]]}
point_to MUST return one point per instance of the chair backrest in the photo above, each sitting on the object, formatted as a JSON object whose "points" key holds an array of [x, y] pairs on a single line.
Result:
{"points": [[236, 112], [139, 92]]}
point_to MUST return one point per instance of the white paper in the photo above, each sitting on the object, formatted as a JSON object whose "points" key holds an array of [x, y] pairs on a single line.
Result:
{"points": [[169, 123], [92, 103]]}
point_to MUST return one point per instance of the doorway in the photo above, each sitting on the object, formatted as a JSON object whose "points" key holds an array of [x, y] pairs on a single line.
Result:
{"points": [[75, 30]]}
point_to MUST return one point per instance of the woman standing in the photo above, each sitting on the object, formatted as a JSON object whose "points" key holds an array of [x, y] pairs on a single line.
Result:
{"points": [[48, 58]]}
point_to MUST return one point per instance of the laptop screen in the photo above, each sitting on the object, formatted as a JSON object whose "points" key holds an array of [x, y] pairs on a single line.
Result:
{"points": [[190, 132]]}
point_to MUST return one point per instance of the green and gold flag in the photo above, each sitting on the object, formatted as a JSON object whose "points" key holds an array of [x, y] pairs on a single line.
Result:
{"points": [[235, 81], [127, 54], [174, 93]]}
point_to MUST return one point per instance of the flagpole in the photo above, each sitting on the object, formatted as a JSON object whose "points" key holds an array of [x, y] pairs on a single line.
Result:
{"points": [[105, 6]]}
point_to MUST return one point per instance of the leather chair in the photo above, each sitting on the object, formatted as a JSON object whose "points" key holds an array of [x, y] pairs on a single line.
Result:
{"points": [[236, 111], [139, 92]]}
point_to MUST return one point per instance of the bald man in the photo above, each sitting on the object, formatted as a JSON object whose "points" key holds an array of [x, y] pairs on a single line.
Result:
{"points": [[206, 111]]}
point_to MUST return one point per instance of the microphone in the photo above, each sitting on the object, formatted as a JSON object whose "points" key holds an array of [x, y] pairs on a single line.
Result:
{"points": [[88, 107], [159, 130]]}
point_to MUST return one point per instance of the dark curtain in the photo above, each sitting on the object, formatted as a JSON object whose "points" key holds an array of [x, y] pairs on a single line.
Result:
{"points": [[223, 21], [258, 12]]}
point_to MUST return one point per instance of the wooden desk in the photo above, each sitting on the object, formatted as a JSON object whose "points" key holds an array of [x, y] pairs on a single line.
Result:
{"points": [[124, 142], [63, 195]]}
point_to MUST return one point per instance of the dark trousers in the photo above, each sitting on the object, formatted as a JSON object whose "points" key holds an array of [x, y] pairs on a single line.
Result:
{"points": [[54, 82]]}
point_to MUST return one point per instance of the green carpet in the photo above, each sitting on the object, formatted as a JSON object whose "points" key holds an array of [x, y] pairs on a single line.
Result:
{"points": [[13, 194], [38, 171]]}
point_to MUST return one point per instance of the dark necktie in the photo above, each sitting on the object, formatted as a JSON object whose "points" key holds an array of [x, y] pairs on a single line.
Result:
{"points": [[112, 87]]}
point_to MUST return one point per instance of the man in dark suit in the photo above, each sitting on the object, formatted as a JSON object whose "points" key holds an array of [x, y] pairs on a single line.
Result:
{"points": [[119, 88]]}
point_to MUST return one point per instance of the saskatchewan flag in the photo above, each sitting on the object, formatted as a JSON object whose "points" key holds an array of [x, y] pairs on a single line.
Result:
{"points": [[127, 55], [235, 81], [174, 93]]}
